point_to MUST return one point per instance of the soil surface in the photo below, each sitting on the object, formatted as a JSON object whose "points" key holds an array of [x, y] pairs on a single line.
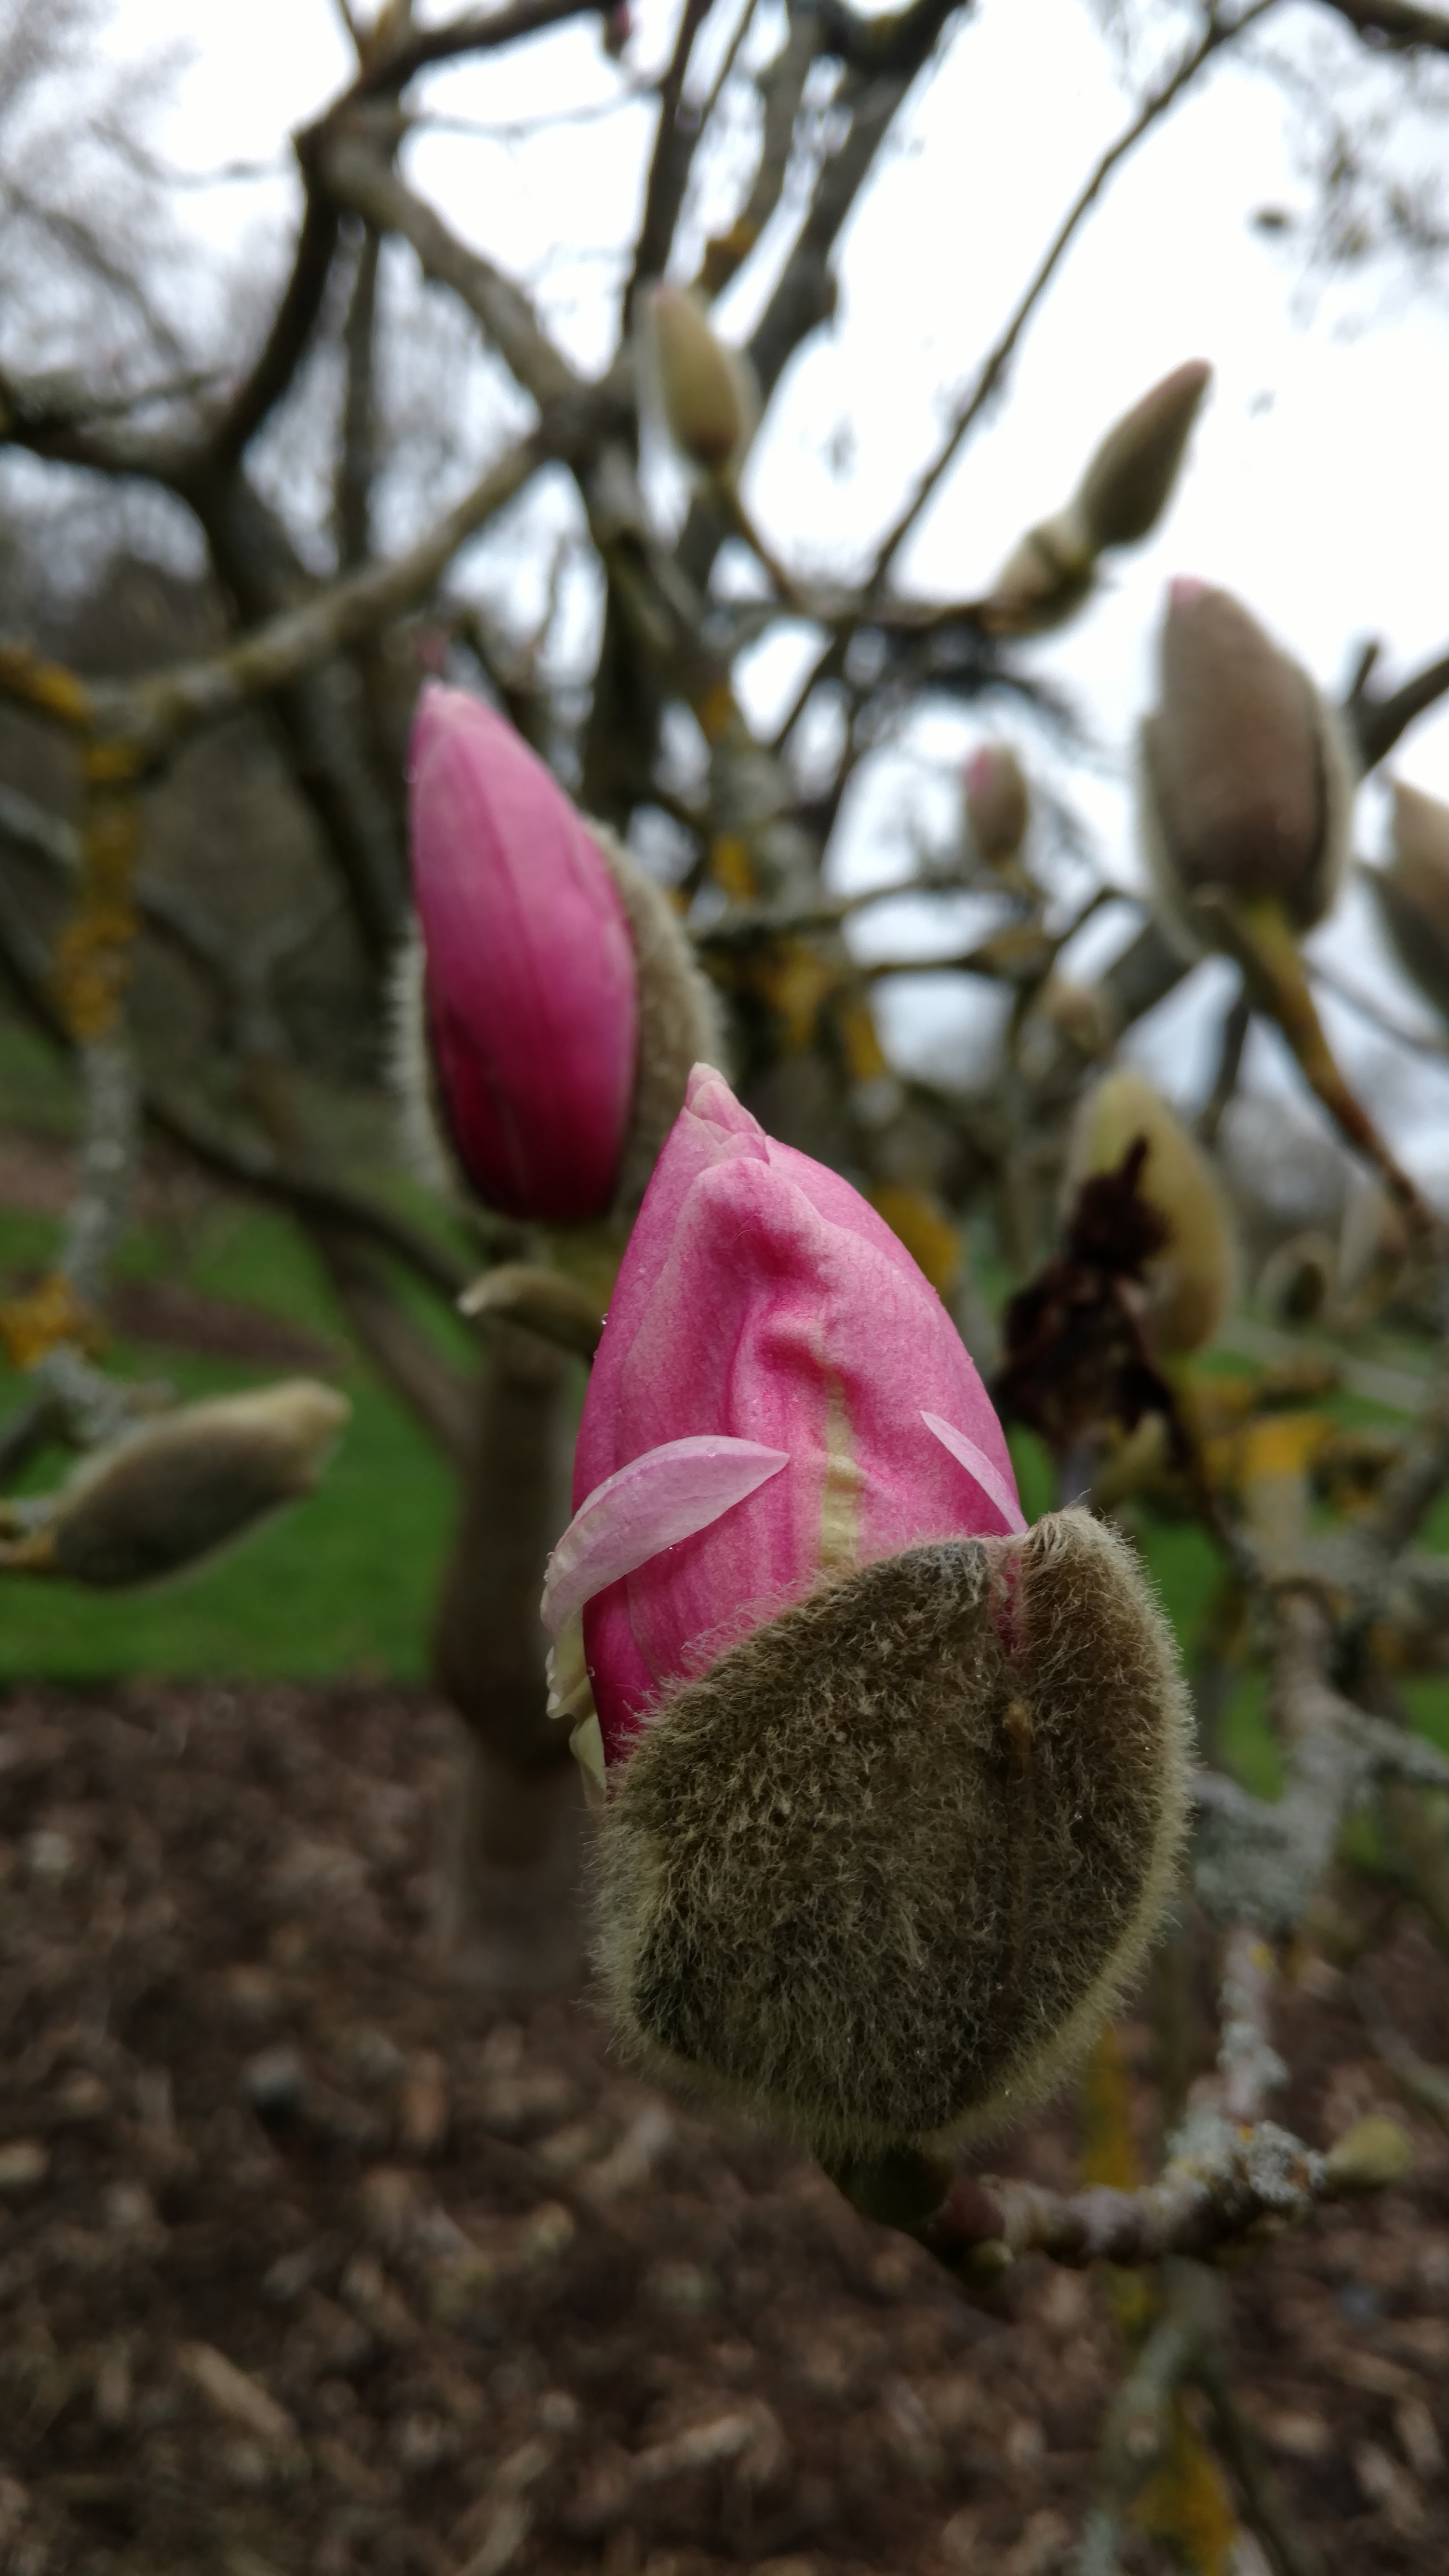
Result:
{"points": [[313, 2261]]}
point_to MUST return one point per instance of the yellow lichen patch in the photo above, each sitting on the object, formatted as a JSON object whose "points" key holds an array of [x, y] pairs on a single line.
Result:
{"points": [[921, 1224], [1272, 1460], [51, 1314], [795, 983], [91, 967], [47, 686], [731, 867], [715, 710], [1110, 2161], [865, 1057], [1187, 2504]]}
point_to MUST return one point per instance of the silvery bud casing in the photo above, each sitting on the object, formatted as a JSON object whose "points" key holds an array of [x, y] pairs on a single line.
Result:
{"points": [[1246, 779], [1412, 892], [1044, 580], [701, 389], [1118, 502], [1129, 481], [174, 1493]]}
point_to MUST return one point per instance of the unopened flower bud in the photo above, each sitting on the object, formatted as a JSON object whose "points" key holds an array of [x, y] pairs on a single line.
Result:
{"points": [[1246, 780], [895, 1786], [1129, 481], [1413, 891], [701, 386], [1191, 1282], [1043, 581], [181, 1488], [998, 807], [550, 1010]]}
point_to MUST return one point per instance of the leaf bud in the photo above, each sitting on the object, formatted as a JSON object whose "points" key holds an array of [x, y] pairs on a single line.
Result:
{"points": [[1191, 1282], [998, 805], [1129, 481], [1044, 580], [1246, 781], [1412, 892], [183, 1487]]}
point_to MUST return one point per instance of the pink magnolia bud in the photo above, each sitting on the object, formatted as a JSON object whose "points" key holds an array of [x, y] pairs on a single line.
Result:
{"points": [[998, 807], [799, 1618], [1246, 781], [548, 1019]]}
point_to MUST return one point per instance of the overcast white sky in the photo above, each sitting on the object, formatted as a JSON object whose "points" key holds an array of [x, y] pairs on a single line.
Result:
{"points": [[1316, 485]]}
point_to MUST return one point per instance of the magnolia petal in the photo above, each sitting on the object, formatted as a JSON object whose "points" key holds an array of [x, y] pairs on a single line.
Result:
{"points": [[649, 1505], [587, 1747], [979, 1467], [567, 1673]]}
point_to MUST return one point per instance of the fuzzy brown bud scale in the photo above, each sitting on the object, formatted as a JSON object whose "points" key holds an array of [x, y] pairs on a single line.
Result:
{"points": [[1247, 784], [884, 1868], [1129, 481]]}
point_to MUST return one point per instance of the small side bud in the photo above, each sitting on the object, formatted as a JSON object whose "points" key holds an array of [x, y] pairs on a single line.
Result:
{"points": [[1044, 580], [1191, 1282], [700, 385], [998, 805], [1129, 481], [1246, 779], [181, 1488], [1371, 2156], [1412, 892]]}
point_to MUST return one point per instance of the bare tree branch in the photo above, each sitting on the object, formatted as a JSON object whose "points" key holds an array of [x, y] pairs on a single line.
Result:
{"points": [[675, 142], [1395, 24], [1378, 722], [992, 374]]}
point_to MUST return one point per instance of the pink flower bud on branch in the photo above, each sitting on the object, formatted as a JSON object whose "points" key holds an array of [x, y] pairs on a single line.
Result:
{"points": [[550, 1012], [998, 806], [1246, 779], [895, 1787]]}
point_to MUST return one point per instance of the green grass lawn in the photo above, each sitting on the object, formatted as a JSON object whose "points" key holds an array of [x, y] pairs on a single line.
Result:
{"points": [[342, 1584]]}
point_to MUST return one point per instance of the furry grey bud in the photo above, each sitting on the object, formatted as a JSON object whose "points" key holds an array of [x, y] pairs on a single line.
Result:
{"points": [[1129, 482], [181, 1488], [1246, 780], [884, 1869]]}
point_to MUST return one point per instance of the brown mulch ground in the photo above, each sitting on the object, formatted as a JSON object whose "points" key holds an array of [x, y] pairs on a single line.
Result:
{"points": [[312, 2263]]}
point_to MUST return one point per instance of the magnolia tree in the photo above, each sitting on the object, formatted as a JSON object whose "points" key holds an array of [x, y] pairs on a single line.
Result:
{"points": [[895, 1793]]}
